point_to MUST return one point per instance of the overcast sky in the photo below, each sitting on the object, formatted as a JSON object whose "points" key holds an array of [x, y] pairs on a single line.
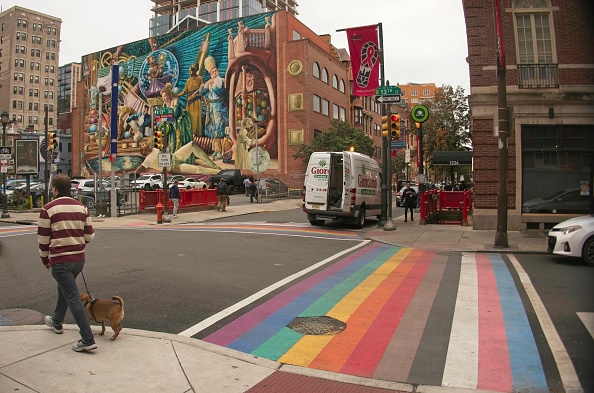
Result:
{"points": [[424, 40]]}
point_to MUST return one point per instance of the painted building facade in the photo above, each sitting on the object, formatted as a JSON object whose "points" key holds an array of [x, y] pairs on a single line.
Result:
{"points": [[244, 93], [550, 94]]}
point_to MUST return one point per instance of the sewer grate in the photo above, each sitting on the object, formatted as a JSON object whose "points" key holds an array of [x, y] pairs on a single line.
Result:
{"points": [[317, 326]]}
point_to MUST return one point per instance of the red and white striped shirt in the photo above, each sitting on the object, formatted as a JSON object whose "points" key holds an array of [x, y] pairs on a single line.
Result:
{"points": [[64, 228]]}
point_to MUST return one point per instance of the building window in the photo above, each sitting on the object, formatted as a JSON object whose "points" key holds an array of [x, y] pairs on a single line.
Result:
{"points": [[535, 43], [334, 82], [325, 75], [341, 86], [560, 154], [316, 104], [358, 116], [414, 93], [325, 107], [317, 133], [335, 112], [296, 35], [316, 70], [426, 93]]}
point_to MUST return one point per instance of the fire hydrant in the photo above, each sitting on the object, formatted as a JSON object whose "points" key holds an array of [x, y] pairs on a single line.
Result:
{"points": [[159, 208]]}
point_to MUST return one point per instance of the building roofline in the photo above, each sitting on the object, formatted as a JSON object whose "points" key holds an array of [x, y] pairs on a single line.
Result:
{"points": [[19, 8]]}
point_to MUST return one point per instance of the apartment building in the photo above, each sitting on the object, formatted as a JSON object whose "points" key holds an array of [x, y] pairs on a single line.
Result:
{"points": [[178, 15], [550, 98], [29, 48]]}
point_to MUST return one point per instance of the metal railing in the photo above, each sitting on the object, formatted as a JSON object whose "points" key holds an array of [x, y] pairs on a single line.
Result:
{"points": [[531, 76]]}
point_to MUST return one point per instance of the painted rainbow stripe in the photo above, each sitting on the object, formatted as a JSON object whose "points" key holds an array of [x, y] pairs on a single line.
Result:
{"points": [[412, 316]]}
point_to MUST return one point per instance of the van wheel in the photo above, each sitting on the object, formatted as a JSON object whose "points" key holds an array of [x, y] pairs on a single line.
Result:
{"points": [[361, 219], [318, 223]]}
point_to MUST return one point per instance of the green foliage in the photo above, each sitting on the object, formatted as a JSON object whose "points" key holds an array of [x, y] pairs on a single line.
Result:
{"points": [[341, 136]]}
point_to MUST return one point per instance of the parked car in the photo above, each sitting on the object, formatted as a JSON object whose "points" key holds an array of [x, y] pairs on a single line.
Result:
{"points": [[191, 182], [86, 186], [148, 182], [171, 179], [568, 200], [36, 190], [271, 186], [573, 238], [20, 184], [399, 201]]}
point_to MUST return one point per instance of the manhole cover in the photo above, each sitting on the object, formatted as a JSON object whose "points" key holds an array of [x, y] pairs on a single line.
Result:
{"points": [[19, 316], [316, 326]]}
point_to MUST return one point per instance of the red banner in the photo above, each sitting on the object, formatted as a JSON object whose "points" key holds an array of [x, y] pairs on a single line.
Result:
{"points": [[500, 48], [365, 59]]}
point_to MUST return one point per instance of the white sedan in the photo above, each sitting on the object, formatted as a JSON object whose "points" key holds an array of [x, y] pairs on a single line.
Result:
{"points": [[573, 238], [191, 182]]}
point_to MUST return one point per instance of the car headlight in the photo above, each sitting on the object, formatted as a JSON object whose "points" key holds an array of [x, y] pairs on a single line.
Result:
{"points": [[570, 229]]}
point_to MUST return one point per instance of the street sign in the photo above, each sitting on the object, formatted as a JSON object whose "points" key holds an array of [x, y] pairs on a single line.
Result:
{"points": [[5, 152], [388, 90], [385, 99], [164, 160], [420, 113]]}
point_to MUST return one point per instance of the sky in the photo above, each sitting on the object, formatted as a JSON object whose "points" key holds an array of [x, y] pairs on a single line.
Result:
{"points": [[424, 40]]}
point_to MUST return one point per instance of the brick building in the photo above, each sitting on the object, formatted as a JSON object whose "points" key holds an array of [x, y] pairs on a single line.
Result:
{"points": [[550, 95]]}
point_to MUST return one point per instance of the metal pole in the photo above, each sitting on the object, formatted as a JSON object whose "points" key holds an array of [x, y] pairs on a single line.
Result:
{"points": [[114, 136], [46, 172], [501, 233], [384, 185], [100, 143], [4, 196]]}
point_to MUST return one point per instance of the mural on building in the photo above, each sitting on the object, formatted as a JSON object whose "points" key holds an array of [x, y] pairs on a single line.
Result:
{"points": [[219, 81]]}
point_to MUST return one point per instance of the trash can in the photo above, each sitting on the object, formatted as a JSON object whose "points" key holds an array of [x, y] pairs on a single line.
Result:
{"points": [[101, 203]]}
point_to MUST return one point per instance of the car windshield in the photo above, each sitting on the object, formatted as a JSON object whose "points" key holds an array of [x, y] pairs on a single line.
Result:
{"points": [[144, 177], [555, 195]]}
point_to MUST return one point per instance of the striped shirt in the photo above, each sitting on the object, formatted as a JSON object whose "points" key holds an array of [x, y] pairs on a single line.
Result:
{"points": [[63, 230]]}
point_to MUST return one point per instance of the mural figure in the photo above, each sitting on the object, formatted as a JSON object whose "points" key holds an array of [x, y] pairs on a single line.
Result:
{"points": [[179, 159], [217, 108], [183, 124], [242, 160], [157, 79], [139, 123], [242, 37], [227, 146], [193, 100]]}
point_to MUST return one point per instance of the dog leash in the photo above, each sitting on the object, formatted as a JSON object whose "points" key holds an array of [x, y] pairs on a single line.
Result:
{"points": [[91, 298], [86, 287]]}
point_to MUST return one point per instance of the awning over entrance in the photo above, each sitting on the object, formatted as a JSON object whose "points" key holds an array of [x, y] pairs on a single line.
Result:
{"points": [[452, 158]]}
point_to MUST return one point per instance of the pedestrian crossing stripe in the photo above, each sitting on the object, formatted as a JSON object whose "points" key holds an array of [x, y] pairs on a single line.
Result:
{"points": [[392, 300]]}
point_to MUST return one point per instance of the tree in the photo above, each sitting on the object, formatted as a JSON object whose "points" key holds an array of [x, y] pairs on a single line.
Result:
{"points": [[446, 129], [341, 136]]}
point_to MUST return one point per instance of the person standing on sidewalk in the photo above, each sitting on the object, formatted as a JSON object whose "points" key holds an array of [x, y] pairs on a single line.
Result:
{"points": [[410, 200], [174, 195], [246, 184], [222, 195], [253, 190], [63, 230]]}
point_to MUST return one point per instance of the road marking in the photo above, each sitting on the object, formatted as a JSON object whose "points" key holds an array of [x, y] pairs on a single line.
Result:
{"points": [[569, 378], [461, 368], [587, 319], [238, 306]]}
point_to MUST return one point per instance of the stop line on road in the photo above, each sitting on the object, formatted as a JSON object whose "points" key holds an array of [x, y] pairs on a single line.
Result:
{"points": [[17, 230], [409, 315]]}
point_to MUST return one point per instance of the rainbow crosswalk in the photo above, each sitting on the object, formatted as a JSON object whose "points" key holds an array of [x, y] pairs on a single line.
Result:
{"points": [[411, 315], [17, 230]]}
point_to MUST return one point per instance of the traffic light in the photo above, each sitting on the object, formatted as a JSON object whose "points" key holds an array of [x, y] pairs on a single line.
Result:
{"points": [[159, 140], [395, 125], [385, 126], [52, 144]]}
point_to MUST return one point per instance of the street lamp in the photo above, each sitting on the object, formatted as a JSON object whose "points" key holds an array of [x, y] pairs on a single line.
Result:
{"points": [[4, 118]]}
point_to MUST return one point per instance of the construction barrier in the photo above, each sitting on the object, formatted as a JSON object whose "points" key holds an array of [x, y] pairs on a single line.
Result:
{"points": [[445, 207], [189, 199]]}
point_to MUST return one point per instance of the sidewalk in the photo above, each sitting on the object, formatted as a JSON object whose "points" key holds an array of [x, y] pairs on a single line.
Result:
{"points": [[34, 359]]}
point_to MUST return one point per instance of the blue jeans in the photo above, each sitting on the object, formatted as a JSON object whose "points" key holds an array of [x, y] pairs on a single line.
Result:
{"points": [[69, 297]]}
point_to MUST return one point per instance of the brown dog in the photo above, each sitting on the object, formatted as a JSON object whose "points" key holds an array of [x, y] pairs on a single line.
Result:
{"points": [[99, 310]]}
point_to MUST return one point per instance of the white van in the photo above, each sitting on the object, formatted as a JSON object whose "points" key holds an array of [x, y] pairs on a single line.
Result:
{"points": [[342, 186]]}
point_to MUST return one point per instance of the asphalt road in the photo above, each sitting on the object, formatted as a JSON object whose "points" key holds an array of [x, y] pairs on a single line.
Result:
{"points": [[172, 280]]}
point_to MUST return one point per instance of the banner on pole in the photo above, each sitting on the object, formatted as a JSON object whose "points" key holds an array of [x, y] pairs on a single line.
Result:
{"points": [[365, 59]]}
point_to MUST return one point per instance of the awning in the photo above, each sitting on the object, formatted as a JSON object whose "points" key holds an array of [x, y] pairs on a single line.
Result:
{"points": [[452, 158]]}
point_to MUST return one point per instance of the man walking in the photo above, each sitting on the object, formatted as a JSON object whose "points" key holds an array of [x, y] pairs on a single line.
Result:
{"points": [[222, 195], [63, 231], [410, 200], [174, 195]]}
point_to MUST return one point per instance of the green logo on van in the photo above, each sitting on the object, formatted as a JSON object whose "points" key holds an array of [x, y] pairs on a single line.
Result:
{"points": [[322, 163]]}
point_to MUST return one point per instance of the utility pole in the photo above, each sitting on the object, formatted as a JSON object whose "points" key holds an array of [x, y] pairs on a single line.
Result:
{"points": [[502, 128]]}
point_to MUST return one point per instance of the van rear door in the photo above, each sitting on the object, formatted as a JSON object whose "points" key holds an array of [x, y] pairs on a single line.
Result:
{"points": [[316, 181]]}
